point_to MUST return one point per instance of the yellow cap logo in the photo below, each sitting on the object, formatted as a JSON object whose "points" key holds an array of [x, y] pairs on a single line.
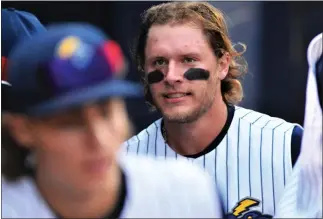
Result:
{"points": [[68, 46]]}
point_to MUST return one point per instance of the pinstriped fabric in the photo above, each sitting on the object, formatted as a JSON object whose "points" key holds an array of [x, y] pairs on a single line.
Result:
{"points": [[303, 194], [286, 151], [138, 146], [238, 160], [156, 135], [272, 163], [261, 170], [128, 145], [253, 159], [147, 146], [239, 132]]}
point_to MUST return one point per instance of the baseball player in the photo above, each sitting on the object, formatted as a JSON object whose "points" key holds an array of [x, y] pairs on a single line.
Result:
{"points": [[303, 194], [15, 26], [61, 133], [191, 74]]}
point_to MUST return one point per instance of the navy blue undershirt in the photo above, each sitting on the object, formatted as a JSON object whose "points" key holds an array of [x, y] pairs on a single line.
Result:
{"points": [[296, 143]]}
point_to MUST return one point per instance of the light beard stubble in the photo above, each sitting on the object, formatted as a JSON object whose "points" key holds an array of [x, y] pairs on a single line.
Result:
{"points": [[190, 117]]}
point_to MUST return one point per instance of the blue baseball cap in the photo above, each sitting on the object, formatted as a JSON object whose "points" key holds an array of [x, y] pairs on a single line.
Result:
{"points": [[69, 65], [15, 26]]}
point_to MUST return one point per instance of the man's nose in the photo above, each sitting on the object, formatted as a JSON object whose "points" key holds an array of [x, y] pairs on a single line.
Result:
{"points": [[174, 74]]}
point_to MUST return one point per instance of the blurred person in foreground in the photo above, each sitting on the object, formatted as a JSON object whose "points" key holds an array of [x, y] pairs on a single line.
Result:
{"points": [[303, 195], [15, 26], [192, 72], [62, 129]]}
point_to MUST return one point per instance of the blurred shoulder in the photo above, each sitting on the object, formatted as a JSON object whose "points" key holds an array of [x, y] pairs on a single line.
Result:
{"points": [[170, 170], [14, 188], [16, 196], [170, 184]]}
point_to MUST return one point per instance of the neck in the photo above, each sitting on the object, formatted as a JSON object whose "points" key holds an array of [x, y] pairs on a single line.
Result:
{"points": [[192, 138], [95, 202]]}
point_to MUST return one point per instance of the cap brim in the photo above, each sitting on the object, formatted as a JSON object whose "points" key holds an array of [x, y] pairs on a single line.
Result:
{"points": [[104, 91]]}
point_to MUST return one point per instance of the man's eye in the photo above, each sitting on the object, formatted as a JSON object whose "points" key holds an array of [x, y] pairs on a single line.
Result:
{"points": [[188, 60], [159, 62]]}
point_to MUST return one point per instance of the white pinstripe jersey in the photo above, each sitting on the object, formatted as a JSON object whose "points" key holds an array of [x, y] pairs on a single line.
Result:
{"points": [[154, 190], [252, 160], [303, 195]]}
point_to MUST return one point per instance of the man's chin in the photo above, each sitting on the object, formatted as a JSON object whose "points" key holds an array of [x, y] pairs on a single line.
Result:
{"points": [[178, 114], [183, 117]]}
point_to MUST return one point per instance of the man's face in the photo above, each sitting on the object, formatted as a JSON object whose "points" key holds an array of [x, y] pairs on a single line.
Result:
{"points": [[173, 49], [77, 148]]}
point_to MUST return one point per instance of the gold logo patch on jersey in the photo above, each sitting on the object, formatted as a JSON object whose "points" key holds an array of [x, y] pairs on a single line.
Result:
{"points": [[242, 210]]}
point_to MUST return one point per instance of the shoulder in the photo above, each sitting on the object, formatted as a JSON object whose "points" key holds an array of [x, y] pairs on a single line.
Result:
{"points": [[11, 189], [150, 132], [15, 196], [263, 121]]}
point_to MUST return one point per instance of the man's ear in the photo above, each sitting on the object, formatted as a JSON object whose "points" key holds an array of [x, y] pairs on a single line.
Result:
{"points": [[223, 65], [19, 128]]}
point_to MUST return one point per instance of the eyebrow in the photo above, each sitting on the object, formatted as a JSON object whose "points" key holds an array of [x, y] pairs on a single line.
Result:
{"points": [[181, 54], [153, 58], [194, 54]]}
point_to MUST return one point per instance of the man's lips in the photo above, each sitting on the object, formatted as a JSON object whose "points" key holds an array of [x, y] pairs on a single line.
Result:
{"points": [[175, 95]]}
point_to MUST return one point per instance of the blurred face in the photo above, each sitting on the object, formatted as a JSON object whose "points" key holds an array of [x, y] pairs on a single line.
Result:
{"points": [[76, 149], [173, 49]]}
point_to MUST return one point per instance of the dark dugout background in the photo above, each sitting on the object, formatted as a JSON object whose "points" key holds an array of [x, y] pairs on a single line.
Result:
{"points": [[276, 33]]}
